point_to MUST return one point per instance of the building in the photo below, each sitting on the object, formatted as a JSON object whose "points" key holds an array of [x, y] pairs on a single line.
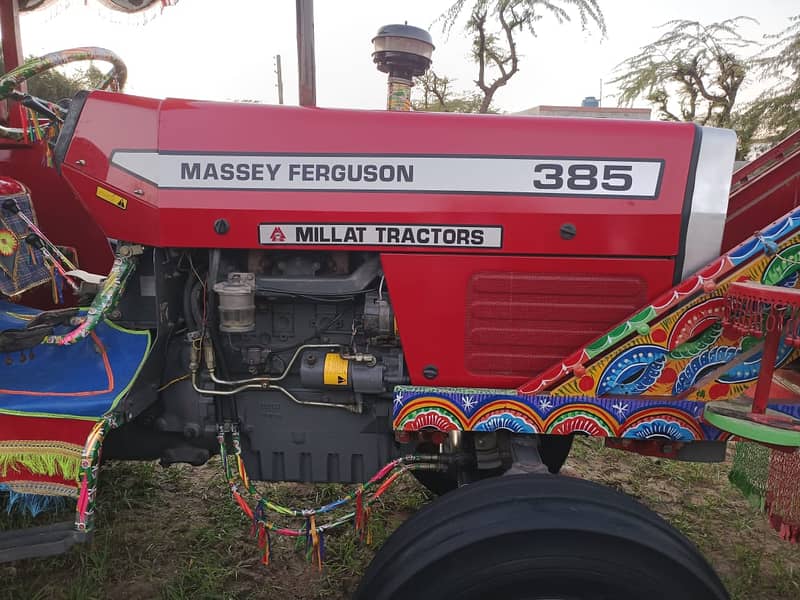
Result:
{"points": [[590, 107]]}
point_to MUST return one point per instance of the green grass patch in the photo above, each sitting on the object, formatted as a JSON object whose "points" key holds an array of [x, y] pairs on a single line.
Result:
{"points": [[175, 534]]}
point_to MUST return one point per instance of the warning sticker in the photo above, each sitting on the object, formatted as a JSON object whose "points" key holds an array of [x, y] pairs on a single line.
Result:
{"points": [[112, 198], [335, 370], [380, 234]]}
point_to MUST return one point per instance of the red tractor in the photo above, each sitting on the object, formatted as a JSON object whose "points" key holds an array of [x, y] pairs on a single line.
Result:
{"points": [[319, 295]]}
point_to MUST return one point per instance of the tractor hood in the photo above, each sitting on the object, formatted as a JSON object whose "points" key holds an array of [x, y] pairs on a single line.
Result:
{"points": [[181, 173]]}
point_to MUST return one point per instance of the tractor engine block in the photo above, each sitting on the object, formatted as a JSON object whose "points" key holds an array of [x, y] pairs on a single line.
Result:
{"points": [[315, 329]]}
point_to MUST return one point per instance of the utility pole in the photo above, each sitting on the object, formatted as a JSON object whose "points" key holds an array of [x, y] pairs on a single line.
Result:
{"points": [[279, 73], [305, 53]]}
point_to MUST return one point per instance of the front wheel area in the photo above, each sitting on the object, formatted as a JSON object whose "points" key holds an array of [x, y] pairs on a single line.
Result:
{"points": [[538, 537]]}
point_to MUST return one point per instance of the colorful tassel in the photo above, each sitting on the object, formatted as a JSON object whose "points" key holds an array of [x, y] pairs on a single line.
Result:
{"points": [[385, 485], [366, 530], [244, 505], [242, 472], [359, 517], [267, 547], [264, 542], [58, 293], [321, 549], [83, 499], [258, 518], [315, 540], [311, 534], [33, 504]]}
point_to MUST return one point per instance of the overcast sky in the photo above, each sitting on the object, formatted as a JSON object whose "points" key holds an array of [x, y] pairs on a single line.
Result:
{"points": [[222, 50]]}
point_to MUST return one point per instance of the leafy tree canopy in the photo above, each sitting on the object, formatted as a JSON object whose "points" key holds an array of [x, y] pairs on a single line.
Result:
{"points": [[438, 94], [697, 72], [53, 85]]}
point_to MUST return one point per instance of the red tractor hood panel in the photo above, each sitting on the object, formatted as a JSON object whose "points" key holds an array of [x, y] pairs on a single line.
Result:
{"points": [[182, 173]]}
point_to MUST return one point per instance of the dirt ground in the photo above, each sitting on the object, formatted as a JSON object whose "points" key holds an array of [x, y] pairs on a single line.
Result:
{"points": [[174, 534]]}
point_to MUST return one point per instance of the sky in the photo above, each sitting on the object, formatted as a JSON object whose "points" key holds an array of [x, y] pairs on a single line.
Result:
{"points": [[225, 49]]}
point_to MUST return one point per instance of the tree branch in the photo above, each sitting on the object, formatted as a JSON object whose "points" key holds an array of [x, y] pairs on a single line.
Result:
{"points": [[505, 75], [480, 23], [440, 93], [662, 107]]}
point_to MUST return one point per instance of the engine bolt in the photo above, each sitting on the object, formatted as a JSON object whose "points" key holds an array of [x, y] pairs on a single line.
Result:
{"points": [[221, 226], [568, 231], [430, 372]]}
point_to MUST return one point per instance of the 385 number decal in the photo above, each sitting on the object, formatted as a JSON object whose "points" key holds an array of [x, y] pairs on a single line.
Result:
{"points": [[597, 178]]}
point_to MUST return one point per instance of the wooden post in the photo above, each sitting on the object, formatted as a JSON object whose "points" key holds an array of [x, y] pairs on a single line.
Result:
{"points": [[772, 340], [307, 78], [12, 49], [12, 42], [279, 74]]}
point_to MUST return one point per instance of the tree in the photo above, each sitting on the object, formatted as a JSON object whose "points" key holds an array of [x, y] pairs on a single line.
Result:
{"points": [[494, 26], [54, 86], [90, 78], [693, 72], [776, 112], [437, 94]]}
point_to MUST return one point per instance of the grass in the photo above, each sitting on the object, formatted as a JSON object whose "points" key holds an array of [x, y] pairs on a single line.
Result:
{"points": [[174, 534]]}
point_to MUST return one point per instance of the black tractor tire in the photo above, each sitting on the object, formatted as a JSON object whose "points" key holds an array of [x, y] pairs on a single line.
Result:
{"points": [[538, 537]]}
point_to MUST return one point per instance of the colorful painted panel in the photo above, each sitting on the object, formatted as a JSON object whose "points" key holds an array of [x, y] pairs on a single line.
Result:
{"points": [[678, 346], [446, 409]]}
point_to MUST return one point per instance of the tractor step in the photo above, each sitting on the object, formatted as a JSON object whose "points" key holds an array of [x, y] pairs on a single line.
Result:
{"points": [[35, 542]]}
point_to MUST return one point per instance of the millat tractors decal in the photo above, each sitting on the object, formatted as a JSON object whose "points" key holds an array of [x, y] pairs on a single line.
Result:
{"points": [[630, 178], [360, 234]]}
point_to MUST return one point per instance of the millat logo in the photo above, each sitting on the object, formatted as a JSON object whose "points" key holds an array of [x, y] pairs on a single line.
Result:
{"points": [[277, 235]]}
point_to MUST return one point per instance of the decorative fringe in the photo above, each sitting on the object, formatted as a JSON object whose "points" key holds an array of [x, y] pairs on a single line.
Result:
{"points": [[770, 480], [37, 463], [750, 471], [103, 10], [33, 504], [754, 495], [783, 494], [789, 532]]}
